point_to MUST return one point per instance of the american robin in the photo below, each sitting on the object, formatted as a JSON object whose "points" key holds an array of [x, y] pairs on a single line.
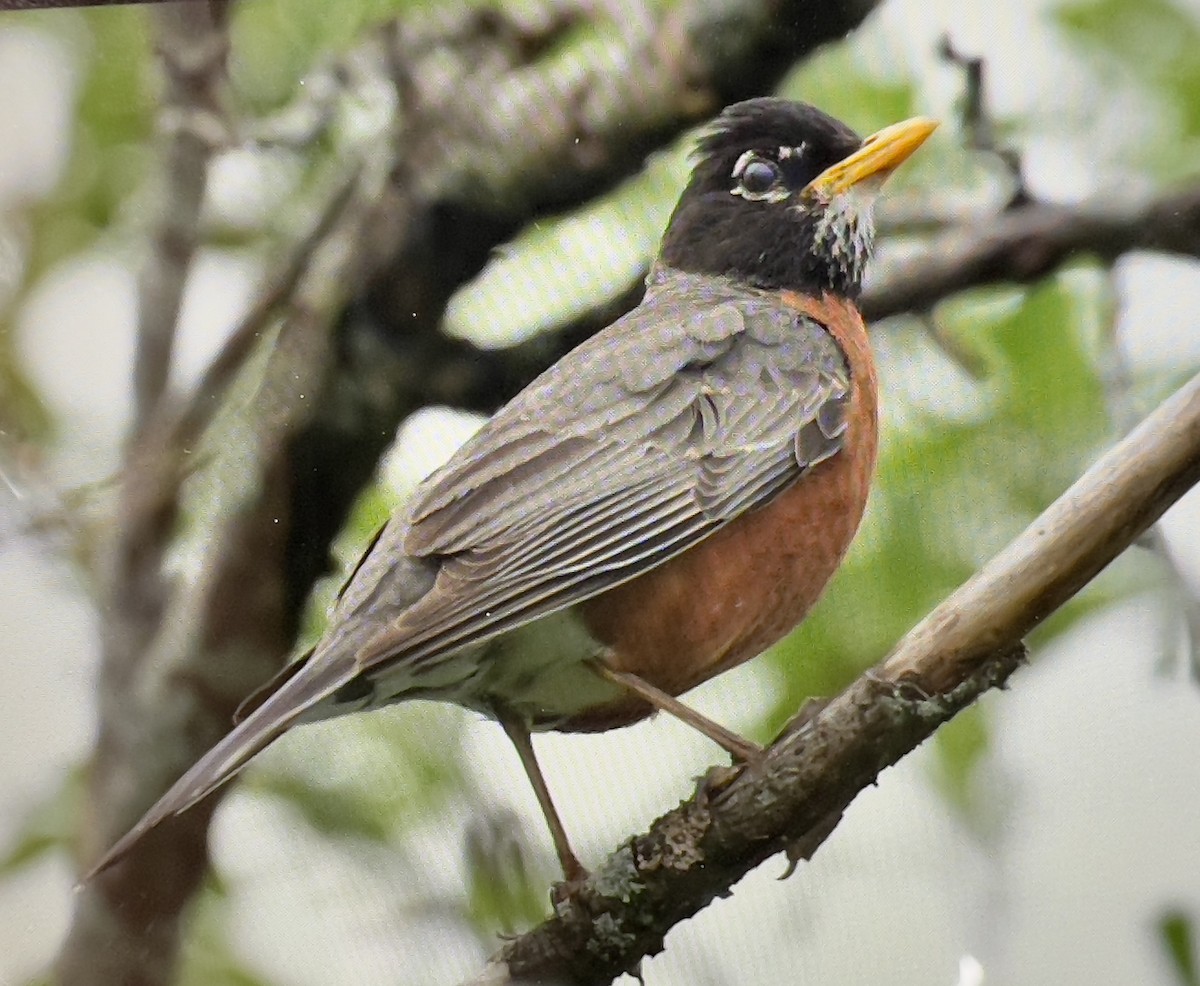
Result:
{"points": [[664, 503]]}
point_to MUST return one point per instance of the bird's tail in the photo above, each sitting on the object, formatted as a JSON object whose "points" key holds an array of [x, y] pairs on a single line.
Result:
{"points": [[299, 691]]}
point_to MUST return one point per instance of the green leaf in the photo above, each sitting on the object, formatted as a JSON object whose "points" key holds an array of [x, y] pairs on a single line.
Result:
{"points": [[1178, 939], [960, 746]]}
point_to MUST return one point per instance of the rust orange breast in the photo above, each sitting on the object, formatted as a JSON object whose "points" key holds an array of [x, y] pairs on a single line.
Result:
{"points": [[742, 589]]}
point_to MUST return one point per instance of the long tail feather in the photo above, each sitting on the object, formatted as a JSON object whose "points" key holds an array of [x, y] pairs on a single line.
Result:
{"points": [[297, 694]]}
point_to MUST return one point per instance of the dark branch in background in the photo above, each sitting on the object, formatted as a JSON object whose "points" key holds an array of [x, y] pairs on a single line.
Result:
{"points": [[969, 644], [483, 142], [1027, 243]]}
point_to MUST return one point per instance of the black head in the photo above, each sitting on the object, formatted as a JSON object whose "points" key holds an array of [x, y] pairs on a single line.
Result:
{"points": [[780, 197]]}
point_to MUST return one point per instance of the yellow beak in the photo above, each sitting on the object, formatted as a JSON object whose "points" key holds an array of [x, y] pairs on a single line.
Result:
{"points": [[879, 155]]}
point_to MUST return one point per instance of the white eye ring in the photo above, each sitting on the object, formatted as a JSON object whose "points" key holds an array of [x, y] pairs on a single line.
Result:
{"points": [[759, 179]]}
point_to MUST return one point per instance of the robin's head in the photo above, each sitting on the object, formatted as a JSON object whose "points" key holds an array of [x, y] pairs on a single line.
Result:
{"points": [[781, 197]]}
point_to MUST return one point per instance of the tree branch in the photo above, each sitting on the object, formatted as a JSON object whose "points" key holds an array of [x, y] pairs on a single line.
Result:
{"points": [[979, 126], [193, 46], [1029, 242], [969, 644], [1020, 246]]}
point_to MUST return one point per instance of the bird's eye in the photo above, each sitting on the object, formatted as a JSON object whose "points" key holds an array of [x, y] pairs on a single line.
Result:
{"points": [[757, 177]]}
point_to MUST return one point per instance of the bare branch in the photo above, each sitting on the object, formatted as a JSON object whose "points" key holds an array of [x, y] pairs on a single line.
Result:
{"points": [[969, 644], [976, 113], [1105, 511], [278, 290]]}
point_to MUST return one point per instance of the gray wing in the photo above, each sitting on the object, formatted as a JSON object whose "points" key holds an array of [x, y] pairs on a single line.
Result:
{"points": [[696, 407]]}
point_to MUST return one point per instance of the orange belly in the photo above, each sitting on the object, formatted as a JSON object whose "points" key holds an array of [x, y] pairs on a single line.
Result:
{"points": [[738, 592]]}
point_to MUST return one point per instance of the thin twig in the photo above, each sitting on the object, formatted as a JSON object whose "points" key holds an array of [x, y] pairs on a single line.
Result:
{"points": [[978, 122]]}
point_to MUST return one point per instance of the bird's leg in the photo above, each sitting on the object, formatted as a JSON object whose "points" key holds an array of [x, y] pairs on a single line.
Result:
{"points": [[742, 749], [518, 732]]}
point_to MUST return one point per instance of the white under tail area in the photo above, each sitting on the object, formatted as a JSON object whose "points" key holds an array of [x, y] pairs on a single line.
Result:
{"points": [[320, 678]]}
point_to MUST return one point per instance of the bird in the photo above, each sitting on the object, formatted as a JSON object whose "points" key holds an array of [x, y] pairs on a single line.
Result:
{"points": [[662, 504]]}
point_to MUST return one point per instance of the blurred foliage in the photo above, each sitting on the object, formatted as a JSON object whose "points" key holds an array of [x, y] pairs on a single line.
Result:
{"points": [[49, 826], [106, 162], [559, 268], [111, 147], [1176, 931], [506, 893], [209, 957], [276, 42], [406, 766], [1155, 45]]}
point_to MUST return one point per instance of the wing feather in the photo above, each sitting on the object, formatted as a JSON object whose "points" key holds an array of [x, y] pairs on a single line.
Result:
{"points": [[649, 437]]}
